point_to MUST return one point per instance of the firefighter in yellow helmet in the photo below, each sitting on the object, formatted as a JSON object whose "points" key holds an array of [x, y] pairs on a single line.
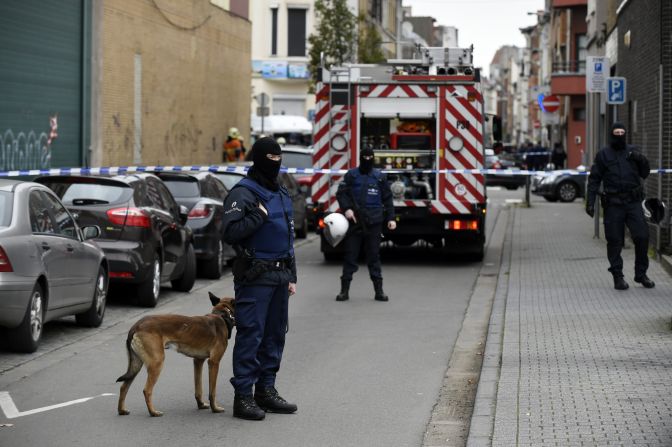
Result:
{"points": [[233, 147]]}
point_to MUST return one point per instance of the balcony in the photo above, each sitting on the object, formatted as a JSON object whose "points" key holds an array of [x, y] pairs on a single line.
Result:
{"points": [[569, 78], [569, 3]]}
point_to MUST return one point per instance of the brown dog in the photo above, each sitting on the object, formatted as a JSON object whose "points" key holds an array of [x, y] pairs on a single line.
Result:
{"points": [[202, 337]]}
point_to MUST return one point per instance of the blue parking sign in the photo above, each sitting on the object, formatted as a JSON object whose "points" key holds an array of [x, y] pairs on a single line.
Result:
{"points": [[616, 90]]}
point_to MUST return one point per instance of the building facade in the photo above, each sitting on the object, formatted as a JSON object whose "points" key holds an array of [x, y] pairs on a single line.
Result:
{"points": [[170, 77]]}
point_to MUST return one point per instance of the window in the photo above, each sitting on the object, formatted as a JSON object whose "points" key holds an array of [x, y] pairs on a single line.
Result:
{"points": [[376, 11], [220, 188], [581, 52], [168, 200], [274, 31], [154, 196], [296, 32], [181, 188], [40, 220], [579, 114], [5, 208], [64, 225]]}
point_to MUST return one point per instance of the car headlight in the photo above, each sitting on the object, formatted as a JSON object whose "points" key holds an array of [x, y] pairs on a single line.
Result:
{"points": [[455, 144]]}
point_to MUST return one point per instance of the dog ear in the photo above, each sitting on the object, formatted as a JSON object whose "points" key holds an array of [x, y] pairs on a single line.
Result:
{"points": [[213, 299]]}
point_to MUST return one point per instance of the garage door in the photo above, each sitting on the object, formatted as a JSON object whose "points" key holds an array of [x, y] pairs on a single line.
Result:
{"points": [[289, 106], [41, 83]]}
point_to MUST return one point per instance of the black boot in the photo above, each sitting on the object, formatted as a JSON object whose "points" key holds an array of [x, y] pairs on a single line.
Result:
{"points": [[345, 288], [245, 407], [378, 287], [271, 401], [645, 281], [620, 284]]}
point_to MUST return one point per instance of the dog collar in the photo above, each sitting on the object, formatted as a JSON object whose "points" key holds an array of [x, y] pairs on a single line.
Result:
{"points": [[228, 319]]}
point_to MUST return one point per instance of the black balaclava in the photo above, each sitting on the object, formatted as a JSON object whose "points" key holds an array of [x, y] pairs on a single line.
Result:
{"points": [[617, 141], [264, 170], [365, 166]]}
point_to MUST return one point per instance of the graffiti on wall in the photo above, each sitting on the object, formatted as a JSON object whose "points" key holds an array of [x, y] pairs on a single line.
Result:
{"points": [[27, 150]]}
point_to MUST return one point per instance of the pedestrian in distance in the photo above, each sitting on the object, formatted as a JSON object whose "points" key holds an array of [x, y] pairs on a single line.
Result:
{"points": [[558, 156], [233, 147], [366, 198], [258, 223], [620, 168]]}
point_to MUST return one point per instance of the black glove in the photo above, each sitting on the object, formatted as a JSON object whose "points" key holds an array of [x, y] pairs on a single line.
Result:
{"points": [[635, 156], [590, 210]]}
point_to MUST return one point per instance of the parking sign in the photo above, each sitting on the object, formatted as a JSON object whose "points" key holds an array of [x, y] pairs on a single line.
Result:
{"points": [[616, 90], [596, 73]]}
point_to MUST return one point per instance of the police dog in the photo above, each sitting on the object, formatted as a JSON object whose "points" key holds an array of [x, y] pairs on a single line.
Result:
{"points": [[201, 337]]}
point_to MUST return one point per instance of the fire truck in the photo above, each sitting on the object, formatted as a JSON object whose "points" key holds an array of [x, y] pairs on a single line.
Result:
{"points": [[424, 119]]}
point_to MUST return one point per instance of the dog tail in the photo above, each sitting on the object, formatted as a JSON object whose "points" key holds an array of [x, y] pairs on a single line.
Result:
{"points": [[134, 360]]}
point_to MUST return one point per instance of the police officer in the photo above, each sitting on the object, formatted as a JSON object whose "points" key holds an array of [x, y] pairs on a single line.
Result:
{"points": [[620, 168], [258, 222], [365, 196]]}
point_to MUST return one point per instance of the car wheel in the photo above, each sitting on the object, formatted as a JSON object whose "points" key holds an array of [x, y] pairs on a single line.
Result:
{"points": [[147, 293], [26, 337], [185, 282], [551, 198], [94, 316], [213, 268], [567, 191], [302, 232]]}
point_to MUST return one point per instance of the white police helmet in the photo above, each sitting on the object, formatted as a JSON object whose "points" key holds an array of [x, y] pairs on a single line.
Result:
{"points": [[654, 210], [335, 228]]}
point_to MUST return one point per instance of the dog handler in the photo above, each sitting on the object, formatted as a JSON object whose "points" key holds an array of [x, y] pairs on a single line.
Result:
{"points": [[258, 222], [365, 194]]}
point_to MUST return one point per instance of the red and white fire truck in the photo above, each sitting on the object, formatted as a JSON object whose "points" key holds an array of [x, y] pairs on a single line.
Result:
{"points": [[424, 119]]}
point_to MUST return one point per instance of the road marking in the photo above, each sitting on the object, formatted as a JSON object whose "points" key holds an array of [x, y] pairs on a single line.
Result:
{"points": [[9, 408]]}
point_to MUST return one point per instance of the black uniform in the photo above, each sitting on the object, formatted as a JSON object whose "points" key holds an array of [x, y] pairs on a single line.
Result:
{"points": [[620, 168], [366, 191]]}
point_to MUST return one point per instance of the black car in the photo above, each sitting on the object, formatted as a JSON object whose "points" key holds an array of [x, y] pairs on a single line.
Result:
{"points": [[562, 186], [144, 232], [203, 195], [493, 161], [302, 157], [298, 197]]}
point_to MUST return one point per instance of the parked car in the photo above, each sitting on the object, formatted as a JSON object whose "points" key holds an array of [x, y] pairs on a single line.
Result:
{"points": [[302, 157], [203, 195], [493, 161], [49, 267], [144, 231], [298, 197], [561, 186]]}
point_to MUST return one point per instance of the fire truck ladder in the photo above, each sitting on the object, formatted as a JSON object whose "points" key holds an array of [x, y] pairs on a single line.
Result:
{"points": [[340, 93]]}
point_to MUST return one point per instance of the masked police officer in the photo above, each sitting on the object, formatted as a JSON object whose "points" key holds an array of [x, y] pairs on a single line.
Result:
{"points": [[365, 196], [620, 168], [258, 222]]}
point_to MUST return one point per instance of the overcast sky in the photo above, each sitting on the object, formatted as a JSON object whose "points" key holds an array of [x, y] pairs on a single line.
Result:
{"points": [[487, 24]]}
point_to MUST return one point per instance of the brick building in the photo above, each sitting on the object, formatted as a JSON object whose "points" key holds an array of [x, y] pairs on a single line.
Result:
{"points": [[169, 77], [644, 36]]}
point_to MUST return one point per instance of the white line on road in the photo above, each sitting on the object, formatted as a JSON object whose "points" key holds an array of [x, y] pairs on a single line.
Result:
{"points": [[10, 410]]}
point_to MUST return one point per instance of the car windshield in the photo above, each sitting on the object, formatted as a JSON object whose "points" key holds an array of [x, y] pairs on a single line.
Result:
{"points": [[90, 193], [229, 179], [5, 208], [181, 188], [297, 160]]}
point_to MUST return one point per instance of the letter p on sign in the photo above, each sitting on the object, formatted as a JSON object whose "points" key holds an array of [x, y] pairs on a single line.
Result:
{"points": [[616, 90]]}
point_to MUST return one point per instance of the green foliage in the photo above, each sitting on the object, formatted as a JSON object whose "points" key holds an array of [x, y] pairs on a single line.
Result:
{"points": [[369, 43], [335, 34]]}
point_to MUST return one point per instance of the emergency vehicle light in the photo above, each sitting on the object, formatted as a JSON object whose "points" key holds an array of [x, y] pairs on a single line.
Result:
{"points": [[459, 225]]}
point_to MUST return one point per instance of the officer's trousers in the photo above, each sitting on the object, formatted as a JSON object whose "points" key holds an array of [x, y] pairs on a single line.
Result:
{"points": [[371, 243], [261, 324], [616, 217]]}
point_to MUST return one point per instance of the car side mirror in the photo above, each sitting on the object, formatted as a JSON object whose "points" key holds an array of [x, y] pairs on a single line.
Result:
{"points": [[91, 232], [184, 214]]}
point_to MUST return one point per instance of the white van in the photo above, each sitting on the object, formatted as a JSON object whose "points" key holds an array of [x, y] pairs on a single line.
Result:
{"points": [[296, 130]]}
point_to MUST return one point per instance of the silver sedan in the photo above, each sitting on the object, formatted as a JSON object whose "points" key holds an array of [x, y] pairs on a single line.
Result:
{"points": [[48, 266]]}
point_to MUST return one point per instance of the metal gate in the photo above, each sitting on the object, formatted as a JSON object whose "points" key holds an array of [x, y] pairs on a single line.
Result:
{"points": [[41, 83]]}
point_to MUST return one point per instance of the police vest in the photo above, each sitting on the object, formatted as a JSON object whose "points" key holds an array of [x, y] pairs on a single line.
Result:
{"points": [[620, 175], [366, 190], [275, 238]]}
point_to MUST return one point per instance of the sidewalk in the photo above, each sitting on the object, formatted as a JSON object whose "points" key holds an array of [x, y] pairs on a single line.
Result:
{"points": [[581, 363]]}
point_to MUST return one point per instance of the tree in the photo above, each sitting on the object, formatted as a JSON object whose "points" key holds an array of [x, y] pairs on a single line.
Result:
{"points": [[335, 35], [369, 43]]}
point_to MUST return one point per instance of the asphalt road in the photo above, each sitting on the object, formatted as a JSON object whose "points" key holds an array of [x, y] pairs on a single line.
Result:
{"points": [[363, 373]]}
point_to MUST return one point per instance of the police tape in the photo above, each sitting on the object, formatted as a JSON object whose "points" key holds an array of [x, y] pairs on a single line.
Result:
{"points": [[120, 170]]}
